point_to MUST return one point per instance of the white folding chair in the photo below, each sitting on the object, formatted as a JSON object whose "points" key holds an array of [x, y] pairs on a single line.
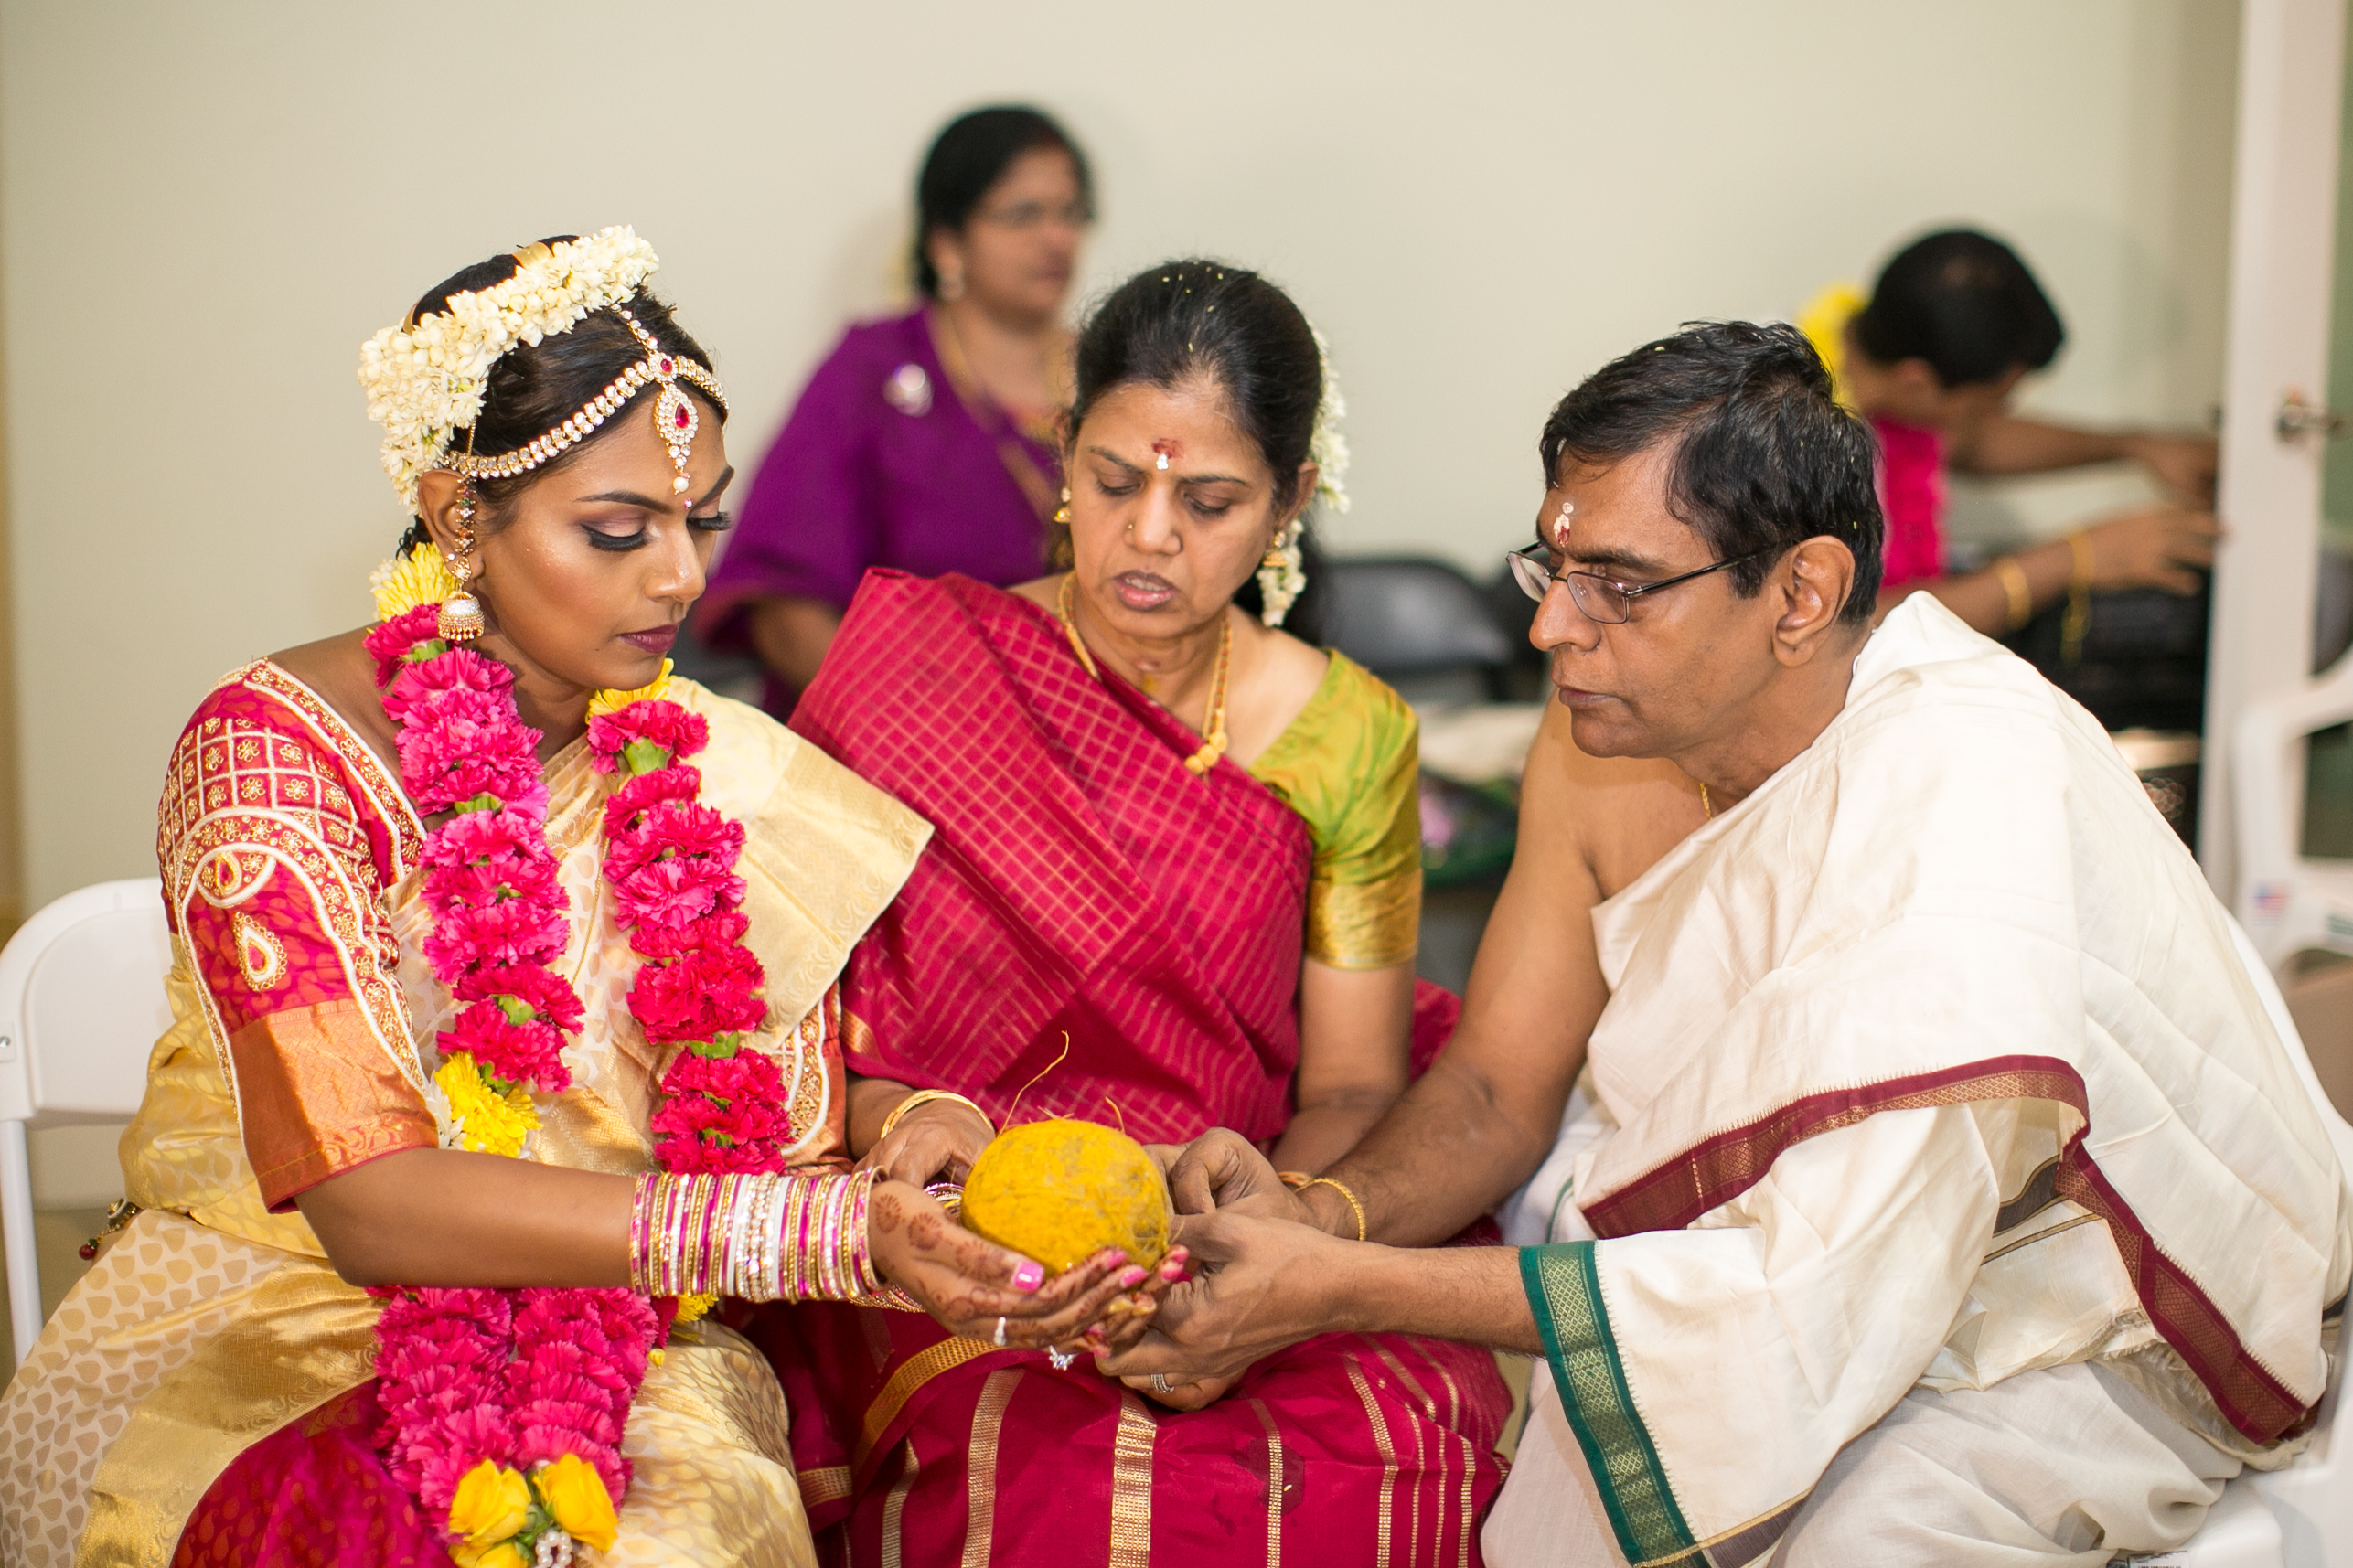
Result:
{"points": [[82, 1005], [2300, 1517]]}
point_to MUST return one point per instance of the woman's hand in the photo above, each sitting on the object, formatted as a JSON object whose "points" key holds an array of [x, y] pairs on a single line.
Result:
{"points": [[2182, 463], [2166, 547], [936, 1141], [973, 1288]]}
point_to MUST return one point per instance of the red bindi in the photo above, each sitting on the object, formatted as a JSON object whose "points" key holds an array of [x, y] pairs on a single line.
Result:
{"points": [[1166, 449]]}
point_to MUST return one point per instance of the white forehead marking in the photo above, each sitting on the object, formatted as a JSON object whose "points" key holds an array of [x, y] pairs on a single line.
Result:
{"points": [[1164, 463], [1561, 524]]}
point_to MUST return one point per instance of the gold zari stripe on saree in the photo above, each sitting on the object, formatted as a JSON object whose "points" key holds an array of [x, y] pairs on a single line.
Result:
{"points": [[980, 1466], [917, 1371], [827, 1486], [1131, 1486], [1365, 925], [1388, 1456], [895, 1506], [1275, 1485]]}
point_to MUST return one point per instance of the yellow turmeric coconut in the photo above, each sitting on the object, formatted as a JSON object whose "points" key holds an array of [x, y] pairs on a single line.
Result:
{"points": [[1060, 1192]]}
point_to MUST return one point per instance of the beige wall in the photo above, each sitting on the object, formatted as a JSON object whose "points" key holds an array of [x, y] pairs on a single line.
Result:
{"points": [[204, 208]]}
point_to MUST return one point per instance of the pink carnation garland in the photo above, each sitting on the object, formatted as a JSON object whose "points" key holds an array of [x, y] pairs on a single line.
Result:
{"points": [[521, 1377]]}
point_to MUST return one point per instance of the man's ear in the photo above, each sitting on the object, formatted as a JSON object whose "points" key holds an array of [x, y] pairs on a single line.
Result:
{"points": [[1813, 581]]}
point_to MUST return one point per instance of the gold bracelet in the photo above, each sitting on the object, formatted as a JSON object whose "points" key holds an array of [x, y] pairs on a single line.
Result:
{"points": [[2076, 624], [1353, 1207], [925, 1097], [2021, 594]]}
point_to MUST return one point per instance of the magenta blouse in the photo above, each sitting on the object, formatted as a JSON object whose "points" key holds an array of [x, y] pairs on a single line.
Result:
{"points": [[882, 464]]}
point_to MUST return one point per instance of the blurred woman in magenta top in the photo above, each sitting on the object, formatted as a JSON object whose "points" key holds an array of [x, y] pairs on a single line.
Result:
{"points": [[925, 442]]}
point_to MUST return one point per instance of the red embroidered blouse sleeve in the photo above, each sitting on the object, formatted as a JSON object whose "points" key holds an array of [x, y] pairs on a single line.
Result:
{"points": [[278, 834]]}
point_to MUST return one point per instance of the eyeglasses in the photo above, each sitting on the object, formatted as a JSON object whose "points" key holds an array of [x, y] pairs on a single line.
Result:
{"points": [[1600, 598], [1024, 216]]}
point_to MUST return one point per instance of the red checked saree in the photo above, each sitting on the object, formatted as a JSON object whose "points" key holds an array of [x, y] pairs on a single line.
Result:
{"points": [[1081, 883]]}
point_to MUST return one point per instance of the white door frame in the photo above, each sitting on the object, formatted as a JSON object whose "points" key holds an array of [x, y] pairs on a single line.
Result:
{"points": [[2282, 262]]}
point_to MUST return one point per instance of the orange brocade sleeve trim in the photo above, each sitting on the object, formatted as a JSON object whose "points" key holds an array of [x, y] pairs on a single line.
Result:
{"points": [[319, 1096]]}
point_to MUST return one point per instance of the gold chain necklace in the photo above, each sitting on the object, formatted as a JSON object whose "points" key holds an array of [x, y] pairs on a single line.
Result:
{"points": [[1703, 805], [1213, 742]]}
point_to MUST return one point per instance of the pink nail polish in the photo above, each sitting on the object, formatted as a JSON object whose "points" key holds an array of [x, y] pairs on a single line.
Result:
{"points": [[1028, 1274], [1132, 1277]]}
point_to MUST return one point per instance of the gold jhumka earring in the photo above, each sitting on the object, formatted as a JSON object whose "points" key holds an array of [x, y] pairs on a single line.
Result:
{"points": [[1062, 513], [461, 613]]}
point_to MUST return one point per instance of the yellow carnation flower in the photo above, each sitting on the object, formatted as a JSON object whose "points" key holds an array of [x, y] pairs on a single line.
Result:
{"points": [[575, 1494], [693, 1307], [500, 1555], [609, 701], [491, 1504], [1823, 321], [422, 577], [489, 1123]]}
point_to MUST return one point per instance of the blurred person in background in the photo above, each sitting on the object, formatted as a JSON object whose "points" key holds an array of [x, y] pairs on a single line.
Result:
{"points": [[926, 442], [1931, 359]]}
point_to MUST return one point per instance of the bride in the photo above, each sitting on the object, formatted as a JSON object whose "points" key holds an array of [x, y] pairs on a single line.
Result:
{"points": [[506, 1031]]}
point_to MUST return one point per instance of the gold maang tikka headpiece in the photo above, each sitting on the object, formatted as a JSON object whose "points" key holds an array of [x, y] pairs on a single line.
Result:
{"points": [[676, 419]]}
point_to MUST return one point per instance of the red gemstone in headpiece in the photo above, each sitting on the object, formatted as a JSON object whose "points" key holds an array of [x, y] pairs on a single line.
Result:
{"points": [[681, 417], [669, 367]]}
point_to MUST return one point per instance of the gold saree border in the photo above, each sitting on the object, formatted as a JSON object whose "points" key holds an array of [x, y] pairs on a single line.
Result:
{"points": [[912, 1373], [307, 1338], [980, 1466], [1131, 1484], [1274, 1485], [1388, 1452]]}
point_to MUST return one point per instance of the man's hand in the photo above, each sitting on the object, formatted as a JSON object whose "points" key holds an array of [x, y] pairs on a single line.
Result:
{"points": [[936, 1141], [2166, 547], [1198, 1393], [2182, 463], [1222, 1170], [1268, 1284]]}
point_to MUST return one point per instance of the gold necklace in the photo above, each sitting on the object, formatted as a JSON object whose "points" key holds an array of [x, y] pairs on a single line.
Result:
{"points": [[1213, 743], [1704, 806]]}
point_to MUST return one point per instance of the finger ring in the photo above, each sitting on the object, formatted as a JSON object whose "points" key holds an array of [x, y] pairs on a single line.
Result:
{"points": [[1160, 1384], [1000, 1333], [1061, 1358]]}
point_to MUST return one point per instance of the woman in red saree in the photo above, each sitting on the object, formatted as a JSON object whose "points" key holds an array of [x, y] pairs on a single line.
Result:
{"points": [[1173, 885]]}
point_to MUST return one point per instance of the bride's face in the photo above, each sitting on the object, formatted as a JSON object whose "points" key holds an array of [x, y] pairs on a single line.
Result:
{"points": [[1171, 506], [587, 571]]}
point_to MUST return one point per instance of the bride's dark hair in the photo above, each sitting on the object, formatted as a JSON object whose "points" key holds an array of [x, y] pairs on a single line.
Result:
{"points": [[536, 386], [1182, 319]]}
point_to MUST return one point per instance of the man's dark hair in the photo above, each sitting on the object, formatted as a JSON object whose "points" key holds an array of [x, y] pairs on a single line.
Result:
{"points": [[1765, 458], [966, 159], [1966, 303]]}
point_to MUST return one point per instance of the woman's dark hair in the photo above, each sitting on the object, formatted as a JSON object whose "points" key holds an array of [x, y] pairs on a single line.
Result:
{"points": [[1966, 303], [1765, 458], [1172, 323], [534, 388], [968, 158]]}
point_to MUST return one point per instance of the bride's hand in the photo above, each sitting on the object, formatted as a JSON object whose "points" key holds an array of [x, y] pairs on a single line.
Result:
{"points": [[936, 1141], [972, 1286]]}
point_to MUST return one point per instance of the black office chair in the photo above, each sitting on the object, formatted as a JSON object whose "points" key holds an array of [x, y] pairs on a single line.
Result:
{"points": [[1419, 624]]}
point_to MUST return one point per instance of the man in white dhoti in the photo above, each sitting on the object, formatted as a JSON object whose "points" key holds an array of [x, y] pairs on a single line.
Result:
{"points": [[1946, 1195]]}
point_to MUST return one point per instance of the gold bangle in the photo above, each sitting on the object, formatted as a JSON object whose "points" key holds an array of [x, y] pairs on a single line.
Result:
{"points": [[925, 1097], [2021, 594], [1353, 1207], [2076, 624]]}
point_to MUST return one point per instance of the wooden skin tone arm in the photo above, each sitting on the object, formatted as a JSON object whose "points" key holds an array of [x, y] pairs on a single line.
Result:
{"points": [[1356, 1046], [1485, 1117], [791, 635]]}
